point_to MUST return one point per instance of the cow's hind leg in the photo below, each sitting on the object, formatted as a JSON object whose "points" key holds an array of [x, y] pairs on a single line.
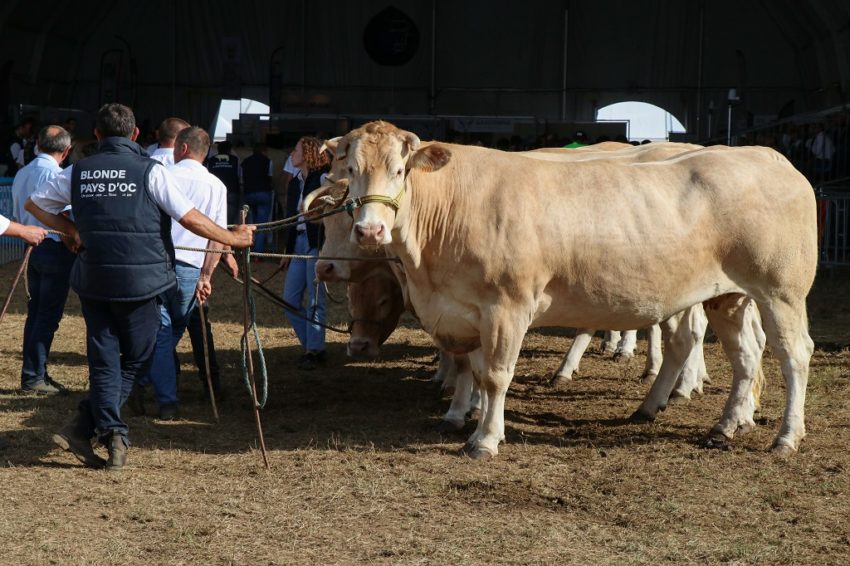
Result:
{"points": [[569, 365], [731, 318], [787, 332], [679, 340]]}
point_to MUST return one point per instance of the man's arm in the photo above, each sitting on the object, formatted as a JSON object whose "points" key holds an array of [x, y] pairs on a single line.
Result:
{"points": [[58, 222], [33, 235], [241, 236]]}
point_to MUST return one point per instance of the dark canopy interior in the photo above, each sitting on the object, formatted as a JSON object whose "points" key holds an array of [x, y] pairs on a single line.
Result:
{"points": [[552, 59]]}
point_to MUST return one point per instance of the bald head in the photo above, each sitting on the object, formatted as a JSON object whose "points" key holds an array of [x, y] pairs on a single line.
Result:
{"points": [[54, 140], [191, 143], [168, 130]]}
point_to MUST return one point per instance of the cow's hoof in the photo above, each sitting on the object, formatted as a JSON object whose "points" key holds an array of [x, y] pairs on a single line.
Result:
{"points": [[448, 427], [746, 428], [648, 378], [474, 414], [782, 451], [476, 452], [640, 417], [481, 454], [718, 441], [705, 380], [559, 380], [623, 356], [678, 398]]}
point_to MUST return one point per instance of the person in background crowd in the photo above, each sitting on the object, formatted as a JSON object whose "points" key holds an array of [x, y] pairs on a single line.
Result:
{"points": [[209, 196], [579, 140], [49, 267], [305, 239], [225, 166], [166, 133], [257, 171], [126, 260], [19, 147]]}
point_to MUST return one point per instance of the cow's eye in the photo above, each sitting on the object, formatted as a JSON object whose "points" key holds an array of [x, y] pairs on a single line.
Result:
{"points": [[400, 172], [350, 169]]}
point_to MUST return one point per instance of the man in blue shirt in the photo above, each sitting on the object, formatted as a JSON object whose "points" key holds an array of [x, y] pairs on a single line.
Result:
{"points": [[49, 269]]}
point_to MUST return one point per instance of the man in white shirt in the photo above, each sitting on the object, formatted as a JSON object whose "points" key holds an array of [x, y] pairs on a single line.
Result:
{"points": [[122, 201], [166, 134], [209, 195], [49, 267]]}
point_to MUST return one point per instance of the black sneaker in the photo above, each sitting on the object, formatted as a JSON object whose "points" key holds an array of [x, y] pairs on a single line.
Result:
{"points": [[117, 452]]}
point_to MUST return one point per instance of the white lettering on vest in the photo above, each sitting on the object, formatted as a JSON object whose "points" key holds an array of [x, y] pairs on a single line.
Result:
{"points": [[103, 174]]}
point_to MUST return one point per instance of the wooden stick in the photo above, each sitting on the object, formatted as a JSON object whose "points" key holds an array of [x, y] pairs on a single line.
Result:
{"points": [[21, 269], [207, 357]]}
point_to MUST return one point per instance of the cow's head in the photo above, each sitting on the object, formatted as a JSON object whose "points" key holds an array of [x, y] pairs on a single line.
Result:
{"points": [[375, 305], [337, 228], [376, 160]]}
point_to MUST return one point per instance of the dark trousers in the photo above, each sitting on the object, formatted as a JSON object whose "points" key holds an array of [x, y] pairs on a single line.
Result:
{"points": [[48, 276], [260, 204], [120, 341], [196, 336]]}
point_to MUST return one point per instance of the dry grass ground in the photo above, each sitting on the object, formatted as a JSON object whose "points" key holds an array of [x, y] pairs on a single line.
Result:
{"points": [[359, 473]]}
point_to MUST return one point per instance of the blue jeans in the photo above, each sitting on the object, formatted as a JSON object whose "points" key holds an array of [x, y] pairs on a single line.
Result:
{"points": [[120, 339], [261, 209], [48, 279], [300, 277], [176, 306]]}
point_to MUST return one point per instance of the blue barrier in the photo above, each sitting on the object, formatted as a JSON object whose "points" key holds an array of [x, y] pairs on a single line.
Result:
{"points": [[11, 249]]}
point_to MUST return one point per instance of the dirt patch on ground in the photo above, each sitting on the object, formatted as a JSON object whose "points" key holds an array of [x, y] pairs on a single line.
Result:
{"points": [[359, 473]]}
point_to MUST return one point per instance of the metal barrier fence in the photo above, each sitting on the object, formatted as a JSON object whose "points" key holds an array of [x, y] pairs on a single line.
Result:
{"points": [[11, 249], [834, 226]]}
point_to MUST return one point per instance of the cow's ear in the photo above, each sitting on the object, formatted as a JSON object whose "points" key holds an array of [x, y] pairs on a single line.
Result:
{"points": [[341, 147], [430, 158], [331, 145]]}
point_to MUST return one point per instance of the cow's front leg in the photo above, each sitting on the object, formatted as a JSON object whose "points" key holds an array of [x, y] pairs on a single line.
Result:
{"points": [[690, 379], [455, 418], [679, 340], [654, 357], [569, 365], [626, 346], [501, 340]]}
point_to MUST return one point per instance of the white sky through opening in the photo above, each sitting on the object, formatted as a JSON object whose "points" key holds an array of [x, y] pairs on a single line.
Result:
{"points": [[229, 110], [646, 121]]}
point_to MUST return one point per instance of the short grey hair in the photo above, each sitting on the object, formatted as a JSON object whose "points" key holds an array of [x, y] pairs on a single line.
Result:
{"points": [[197, 139], [53, 139]]}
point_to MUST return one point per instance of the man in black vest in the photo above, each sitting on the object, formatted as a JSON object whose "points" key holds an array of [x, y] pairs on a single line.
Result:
{"points": [[122, 202]]}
